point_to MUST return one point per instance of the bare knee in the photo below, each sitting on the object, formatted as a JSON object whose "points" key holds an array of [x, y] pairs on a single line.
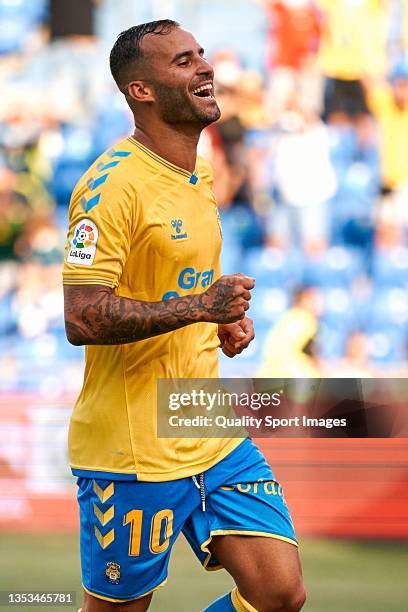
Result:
{"points": [[289, 597], [292, 599]]}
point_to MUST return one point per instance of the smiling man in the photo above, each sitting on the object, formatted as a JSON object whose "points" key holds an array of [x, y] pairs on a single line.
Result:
{"points": [[144, 293]]}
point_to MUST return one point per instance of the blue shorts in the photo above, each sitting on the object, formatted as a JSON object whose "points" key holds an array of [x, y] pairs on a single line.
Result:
{"points": [[128, 528]]}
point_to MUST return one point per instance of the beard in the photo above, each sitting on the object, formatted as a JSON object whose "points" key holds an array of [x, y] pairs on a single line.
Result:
{"points": [[175, 106]]}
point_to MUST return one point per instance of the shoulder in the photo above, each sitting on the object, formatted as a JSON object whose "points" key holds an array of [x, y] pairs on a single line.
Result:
{"points": [[113, 178]]}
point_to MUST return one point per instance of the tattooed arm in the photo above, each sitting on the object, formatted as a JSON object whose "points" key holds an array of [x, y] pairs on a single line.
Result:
{"points": [[95, 315]]}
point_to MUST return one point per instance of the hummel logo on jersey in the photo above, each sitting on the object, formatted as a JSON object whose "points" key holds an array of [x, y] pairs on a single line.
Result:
{"points": [[176, 224]]}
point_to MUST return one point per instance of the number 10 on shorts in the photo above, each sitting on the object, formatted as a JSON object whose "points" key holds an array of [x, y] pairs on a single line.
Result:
{"points": [[161, 530]]}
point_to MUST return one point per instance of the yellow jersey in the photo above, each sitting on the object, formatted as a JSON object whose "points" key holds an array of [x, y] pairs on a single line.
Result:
{"points": [[353, 40], [150, 230], [393, 131]]}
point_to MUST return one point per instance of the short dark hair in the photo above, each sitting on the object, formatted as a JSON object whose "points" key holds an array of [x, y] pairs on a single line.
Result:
{"points": [[127, 48]]}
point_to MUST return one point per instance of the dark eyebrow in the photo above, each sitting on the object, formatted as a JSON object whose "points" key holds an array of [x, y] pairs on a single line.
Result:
{"points": [[186, 53]]}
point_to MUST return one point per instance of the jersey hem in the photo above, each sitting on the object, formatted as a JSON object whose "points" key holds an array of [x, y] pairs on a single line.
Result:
{"points": [[103, 475], [191, 470]]}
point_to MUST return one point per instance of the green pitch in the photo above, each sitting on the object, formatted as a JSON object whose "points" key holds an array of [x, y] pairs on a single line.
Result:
{"points": [[340, 576]]}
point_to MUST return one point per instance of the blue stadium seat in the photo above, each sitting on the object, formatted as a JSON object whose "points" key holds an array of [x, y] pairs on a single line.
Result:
{"points": [[338, 320], [77, 144], [75, 157], [387, 308], [268, 304], [337, 267], [65, 350], [230, 256], [390, 269], [8, 324], [242, 222], [17, 19], [112, 121], [64, 179], [32, 10], [358, 174], [272, 267], [387, 346], [338, 309], [247, 30], [331, 341], [12, 35]]}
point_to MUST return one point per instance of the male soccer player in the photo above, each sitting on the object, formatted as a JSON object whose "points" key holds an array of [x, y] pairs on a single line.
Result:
{"points": [[143, 292]]}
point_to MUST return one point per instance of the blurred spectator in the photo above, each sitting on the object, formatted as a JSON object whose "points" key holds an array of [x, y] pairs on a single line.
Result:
{"points": [[40, 241], [289, 348], [304, 181], [389, 104], [355, 363], [294, 32], [397, 29], [13, 214], [227, 136], [353, 45], [239, 95], [38, 298], [355, 158], [20, 23]]}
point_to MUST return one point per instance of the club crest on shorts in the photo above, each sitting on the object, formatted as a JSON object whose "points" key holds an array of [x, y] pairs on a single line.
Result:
{"points": [[112, 572], [83, 244]]}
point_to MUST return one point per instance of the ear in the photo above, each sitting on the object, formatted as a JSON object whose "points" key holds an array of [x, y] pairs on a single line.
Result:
{"points": [[140, 91]]}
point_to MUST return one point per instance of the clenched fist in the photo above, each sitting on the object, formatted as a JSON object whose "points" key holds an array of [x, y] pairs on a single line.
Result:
{"points": [[227, 300]]}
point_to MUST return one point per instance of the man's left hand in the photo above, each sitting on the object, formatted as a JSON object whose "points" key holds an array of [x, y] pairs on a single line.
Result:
{"points": [[235, 337]]}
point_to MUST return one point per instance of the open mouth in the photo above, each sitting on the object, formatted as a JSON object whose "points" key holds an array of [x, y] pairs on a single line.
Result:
{"points": [[204, 91]]}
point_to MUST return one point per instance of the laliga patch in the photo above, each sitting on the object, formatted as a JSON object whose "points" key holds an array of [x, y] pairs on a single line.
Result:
{"points": [[83, 245]]}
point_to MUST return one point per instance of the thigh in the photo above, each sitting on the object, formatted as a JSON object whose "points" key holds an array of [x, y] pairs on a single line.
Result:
{"points": [[266, 571], [257, 560], [127, 532]]}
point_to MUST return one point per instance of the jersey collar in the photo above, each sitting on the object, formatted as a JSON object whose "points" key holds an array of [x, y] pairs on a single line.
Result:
{"points": [[193, 178]]}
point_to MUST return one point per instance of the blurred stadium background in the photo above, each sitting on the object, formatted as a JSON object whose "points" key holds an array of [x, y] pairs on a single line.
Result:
{"points": [[311, 176]]}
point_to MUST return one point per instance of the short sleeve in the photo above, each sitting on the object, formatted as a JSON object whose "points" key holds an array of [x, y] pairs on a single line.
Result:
{"points": [[100, 233]]}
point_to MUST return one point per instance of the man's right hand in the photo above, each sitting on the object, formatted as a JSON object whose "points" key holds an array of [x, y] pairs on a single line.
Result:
{"points": [[94, 314], [227, 300]]}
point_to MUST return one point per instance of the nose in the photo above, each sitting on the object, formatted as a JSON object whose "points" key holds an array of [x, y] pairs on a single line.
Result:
{"points": [[204, 67]]}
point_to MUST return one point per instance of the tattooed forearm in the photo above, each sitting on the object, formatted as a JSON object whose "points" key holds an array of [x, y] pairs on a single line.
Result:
{"points": [[95, 315]]}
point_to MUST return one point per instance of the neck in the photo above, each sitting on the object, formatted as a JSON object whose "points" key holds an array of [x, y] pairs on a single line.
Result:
{"points": [[176, 146]]}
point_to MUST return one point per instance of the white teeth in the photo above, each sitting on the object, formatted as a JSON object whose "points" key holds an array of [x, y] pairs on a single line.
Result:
{"points": [[203, 88]]}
